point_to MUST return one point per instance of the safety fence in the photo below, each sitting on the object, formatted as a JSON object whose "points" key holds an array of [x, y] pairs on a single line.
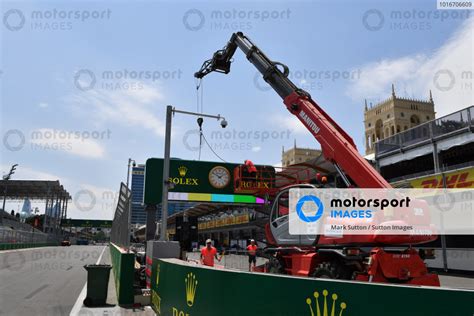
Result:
{"points": [[120, 233], [123, 270], [428, 132], [180, 288], [27, 245], [15, 239]]}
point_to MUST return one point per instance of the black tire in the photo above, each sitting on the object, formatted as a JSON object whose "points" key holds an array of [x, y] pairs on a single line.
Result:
{"points": [[275, 266], [326, 270]]}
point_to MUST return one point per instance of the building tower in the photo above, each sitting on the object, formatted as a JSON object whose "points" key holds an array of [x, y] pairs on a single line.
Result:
{"points": [[394, 115], [298, 155]]}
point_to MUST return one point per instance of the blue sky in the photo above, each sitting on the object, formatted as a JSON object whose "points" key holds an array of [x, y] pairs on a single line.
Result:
{"points": [[82, 131]]}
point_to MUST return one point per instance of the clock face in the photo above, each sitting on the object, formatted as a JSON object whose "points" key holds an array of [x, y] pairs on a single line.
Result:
{"points": [[219, 177]]}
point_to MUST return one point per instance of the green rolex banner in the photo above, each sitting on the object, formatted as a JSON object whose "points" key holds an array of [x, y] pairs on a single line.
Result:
{"points": [[182, 289], [201, 177]]}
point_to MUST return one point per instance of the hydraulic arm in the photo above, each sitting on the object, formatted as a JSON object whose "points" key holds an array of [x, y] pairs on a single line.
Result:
{"points": [[337, 146]]}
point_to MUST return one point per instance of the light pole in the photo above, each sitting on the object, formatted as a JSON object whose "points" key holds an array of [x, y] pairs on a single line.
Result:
{"points": [[6, 178], [129, 219], [130, 161], [170, 111]]}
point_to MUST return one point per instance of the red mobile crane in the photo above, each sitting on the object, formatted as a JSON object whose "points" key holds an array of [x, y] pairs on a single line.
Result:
{"points": [[359, 257]]}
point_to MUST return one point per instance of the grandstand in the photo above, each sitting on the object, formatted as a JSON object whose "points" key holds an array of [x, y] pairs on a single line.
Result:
{"points": [[436, 154], [15, 232]]}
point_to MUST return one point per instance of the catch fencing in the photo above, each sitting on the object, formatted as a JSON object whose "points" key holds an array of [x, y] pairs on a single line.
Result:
{"points": [[120, 234]]}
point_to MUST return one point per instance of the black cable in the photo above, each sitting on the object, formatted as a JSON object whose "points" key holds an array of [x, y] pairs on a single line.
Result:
{"points": [[204, 137], [200, 120], [202, 96]]}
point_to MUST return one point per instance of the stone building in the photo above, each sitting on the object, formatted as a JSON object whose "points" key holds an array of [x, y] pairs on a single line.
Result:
{"points": [[297, 155], [394, 115]]}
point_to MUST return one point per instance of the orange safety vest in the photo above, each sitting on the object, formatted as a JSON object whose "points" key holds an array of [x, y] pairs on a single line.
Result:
{"points": [[252, 250], [208, 256]]}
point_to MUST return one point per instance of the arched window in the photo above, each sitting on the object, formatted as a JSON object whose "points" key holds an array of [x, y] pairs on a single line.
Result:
{"points": [[414, 120], [378, 130]]}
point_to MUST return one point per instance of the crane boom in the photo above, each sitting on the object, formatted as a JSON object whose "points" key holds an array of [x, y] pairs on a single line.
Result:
{"points": [[337, 146]]}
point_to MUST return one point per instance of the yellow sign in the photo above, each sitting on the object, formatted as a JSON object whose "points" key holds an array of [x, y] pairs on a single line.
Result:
{"points": [[254, 185], [221, 222], [324, 309], [456, 179]]}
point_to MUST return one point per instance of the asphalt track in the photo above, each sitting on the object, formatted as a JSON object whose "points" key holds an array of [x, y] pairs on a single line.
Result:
{"points": [[44, 281]]}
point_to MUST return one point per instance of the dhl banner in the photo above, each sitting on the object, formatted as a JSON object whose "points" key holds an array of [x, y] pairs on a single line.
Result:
{"points": [[235, 220], [455, 179]]}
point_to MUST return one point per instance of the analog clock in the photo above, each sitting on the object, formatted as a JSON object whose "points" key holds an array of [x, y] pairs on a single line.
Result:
{"points": [[219, 177]]}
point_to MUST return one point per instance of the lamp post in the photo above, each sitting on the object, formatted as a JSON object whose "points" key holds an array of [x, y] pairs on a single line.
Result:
{"points": [[6, 178], [129, 220], [170, 111]]}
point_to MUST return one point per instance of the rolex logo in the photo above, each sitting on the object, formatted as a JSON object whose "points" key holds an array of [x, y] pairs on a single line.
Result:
{"points": [[191, 285], [182, 171], [325, 309]]}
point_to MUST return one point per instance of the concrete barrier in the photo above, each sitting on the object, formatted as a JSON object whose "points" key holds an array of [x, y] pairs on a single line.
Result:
{"points": [[26, 245], [123, 269], [183, 289]]}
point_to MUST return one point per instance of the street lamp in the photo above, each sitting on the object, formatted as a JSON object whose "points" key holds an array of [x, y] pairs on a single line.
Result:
{"points": [[129, 220], [170, 111], [130, 161], [6, 178]]}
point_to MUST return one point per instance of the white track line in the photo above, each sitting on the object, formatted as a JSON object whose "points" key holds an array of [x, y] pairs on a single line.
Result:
{"points": [[78, 305]]}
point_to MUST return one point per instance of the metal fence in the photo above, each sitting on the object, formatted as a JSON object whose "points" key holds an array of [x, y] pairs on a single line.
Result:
{"points": [[17, 225], [427, 132], [10, 236], [120, 234]]}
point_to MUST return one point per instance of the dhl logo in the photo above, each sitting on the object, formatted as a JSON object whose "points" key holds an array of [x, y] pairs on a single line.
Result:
{"points": [[454, 180]]}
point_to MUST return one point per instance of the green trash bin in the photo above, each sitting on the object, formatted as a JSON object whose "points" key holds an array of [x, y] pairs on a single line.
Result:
{"points": [[97, 284]]}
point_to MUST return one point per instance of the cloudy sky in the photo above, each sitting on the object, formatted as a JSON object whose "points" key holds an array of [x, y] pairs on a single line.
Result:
{"points": [[85, 84]]}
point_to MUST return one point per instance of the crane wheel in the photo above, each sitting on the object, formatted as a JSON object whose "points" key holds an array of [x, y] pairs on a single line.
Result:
{"points": [[274, 266], [326, 270]]}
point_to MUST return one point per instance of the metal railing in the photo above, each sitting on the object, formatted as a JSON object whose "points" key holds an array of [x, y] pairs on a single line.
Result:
{"points": [[427, 132], [13, 222], [120, 233], [431, 172], [10, 236]]}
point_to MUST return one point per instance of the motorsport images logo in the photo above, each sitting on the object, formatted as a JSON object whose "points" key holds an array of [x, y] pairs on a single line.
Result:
{"points": [[309, 199], [335, 212], [421, 212]]}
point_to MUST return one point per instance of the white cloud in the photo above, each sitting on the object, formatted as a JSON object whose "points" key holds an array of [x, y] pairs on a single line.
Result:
{"points": [[289, 122], [90, 201], [133, 107], [43, 105], [75, 143], [416, 74]]}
